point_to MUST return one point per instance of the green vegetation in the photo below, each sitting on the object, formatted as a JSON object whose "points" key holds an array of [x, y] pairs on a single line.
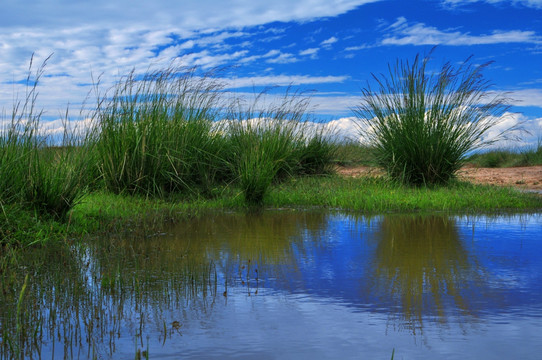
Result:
{"points": [[168, 144], [422, 126], [374, 195], [34, 174], [351, 153], [273, 144], [110, 213], [155, 134], [507, 158]]}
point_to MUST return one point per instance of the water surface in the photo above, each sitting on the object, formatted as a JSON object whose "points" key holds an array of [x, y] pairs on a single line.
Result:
{"points": [[286, 284]]}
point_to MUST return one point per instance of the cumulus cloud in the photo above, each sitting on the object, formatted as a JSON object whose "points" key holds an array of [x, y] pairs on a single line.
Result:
{"points": [[514, 130], [404, 33]]}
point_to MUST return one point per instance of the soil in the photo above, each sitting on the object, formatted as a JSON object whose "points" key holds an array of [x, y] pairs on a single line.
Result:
{"points": [[526, 178]]}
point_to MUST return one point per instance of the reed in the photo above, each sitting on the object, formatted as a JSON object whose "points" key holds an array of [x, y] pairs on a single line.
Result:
{"points": [[422, 126]]}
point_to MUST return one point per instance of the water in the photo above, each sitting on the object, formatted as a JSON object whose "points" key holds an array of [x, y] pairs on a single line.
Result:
{"points": [[286, 285]]}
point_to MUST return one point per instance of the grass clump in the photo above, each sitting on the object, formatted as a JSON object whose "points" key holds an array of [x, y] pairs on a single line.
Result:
{"points": [[155, 134], [34, 174], [270, 143], [422, 126]]}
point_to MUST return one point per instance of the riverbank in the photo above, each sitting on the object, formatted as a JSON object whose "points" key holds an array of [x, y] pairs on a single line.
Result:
{"points": [[104, 212]]}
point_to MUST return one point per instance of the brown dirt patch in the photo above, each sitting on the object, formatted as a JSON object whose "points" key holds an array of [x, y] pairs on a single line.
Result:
{"points": [[527, 178]]}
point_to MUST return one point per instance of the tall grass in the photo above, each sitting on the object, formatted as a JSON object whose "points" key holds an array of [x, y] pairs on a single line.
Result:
{"points": [[422, 126], [271, 142], [32, 173], [155, 133]]}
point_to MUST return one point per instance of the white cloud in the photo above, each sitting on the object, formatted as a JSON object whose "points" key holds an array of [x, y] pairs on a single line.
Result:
{"points": [[281, 80], [360, 47], [312, 52], [329, 42], [525, 131], [187, 14], [537, 4], [283, 58], [527, 97], [112, 37], [403, 33]]}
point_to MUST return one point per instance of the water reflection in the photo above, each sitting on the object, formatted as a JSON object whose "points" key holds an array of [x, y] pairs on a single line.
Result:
{"points": [[422, 266], [255, 284]]}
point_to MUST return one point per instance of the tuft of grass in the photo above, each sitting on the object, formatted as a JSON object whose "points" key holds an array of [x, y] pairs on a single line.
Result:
{"points": [[155, 134], [33, 172], [273, 142], [422, 126]]}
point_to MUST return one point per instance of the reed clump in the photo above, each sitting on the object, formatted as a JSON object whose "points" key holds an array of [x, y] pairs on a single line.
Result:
{"points": [[422, 126]]}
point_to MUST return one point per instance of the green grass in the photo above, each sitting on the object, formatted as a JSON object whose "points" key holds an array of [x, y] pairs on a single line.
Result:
{"points": [[376, 195], [158, 154], [270, 142], [155, 133], [107, 212], [33, 174], [422, 126], [507, 158], [352, 153]]}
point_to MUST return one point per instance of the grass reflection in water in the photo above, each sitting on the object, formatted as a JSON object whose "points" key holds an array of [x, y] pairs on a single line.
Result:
{"points": [[322, 279], [422, 266]]}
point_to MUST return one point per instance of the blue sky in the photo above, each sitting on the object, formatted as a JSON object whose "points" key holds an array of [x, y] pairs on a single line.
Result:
{"points": [[331, 47]]}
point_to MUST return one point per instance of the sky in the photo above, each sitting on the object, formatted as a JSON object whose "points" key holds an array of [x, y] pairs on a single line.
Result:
{"points": [[327, 47]]}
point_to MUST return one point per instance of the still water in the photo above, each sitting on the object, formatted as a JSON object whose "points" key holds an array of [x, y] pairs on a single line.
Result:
{"points": [[285, 285]]}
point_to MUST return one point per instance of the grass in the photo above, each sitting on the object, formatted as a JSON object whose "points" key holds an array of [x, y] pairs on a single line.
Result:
{"points": [[155, 133], [508, 157], [422, 126], [34, 174], [352, 153], [269, 143], [104, 212], [377, 195], [158, 153]]}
